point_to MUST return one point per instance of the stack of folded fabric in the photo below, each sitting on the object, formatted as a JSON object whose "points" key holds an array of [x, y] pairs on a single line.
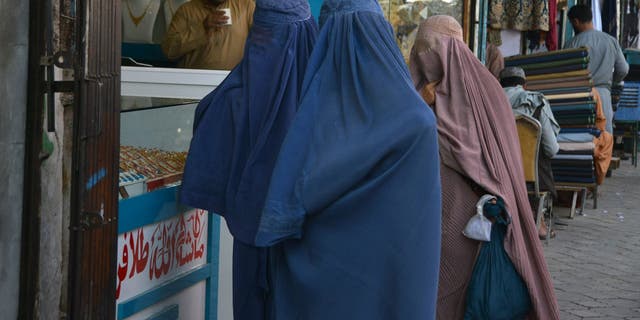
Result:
{"points": [[628, 105], [573, 168], [563, 77], [574, 161], [627, 113], [573, 110]]}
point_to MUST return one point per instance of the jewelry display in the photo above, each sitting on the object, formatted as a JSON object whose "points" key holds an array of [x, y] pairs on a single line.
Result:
{"points": [[145, 164], [139, 19], [136, 19]]}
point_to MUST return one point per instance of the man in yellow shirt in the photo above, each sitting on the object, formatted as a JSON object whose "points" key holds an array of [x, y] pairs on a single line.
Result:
{"points": [[201, 38]]}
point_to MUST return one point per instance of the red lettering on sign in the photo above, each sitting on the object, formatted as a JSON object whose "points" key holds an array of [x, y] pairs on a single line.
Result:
{"points": [[172, 244]]}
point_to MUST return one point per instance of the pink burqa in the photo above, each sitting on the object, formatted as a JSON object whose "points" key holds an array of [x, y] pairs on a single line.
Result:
{"points": [[479, 142]]}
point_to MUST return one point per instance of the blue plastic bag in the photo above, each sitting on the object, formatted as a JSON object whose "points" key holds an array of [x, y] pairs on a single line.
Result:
{"points": [[496, 290]]}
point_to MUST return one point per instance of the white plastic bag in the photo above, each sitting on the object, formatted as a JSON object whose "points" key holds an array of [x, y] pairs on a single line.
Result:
{"points": [[479, 227]]}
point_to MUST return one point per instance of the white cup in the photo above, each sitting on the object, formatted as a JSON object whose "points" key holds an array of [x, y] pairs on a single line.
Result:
{"points": [[227, 13]]}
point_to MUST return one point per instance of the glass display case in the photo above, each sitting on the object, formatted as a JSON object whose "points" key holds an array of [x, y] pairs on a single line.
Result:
{"points": [[155, 135], [173, 261], [156, 119]]}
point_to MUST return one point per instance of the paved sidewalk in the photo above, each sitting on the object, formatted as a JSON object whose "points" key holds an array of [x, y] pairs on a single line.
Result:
{"points": [[595, 260]]}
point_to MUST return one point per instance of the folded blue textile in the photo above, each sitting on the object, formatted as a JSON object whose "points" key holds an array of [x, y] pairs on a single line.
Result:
{"points": [[563, 107], [627, 114], [591, 131], [629, 101], [572, 157], [575, 137]]}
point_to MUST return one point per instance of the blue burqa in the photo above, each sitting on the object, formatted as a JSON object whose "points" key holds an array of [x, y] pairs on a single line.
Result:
{"points": [[353, 210], [237, 133]]}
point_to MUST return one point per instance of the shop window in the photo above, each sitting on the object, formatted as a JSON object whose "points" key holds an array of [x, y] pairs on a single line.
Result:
{"points": [[146, 24], [405, 17], [168, 254]]}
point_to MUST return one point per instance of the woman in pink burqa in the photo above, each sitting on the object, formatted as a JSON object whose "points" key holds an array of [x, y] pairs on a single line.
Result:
{"points": [[480, 153]]}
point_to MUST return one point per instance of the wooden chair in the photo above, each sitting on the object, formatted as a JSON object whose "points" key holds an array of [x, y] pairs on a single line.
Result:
{"points": [[630, 131], [529, 134], [615, 163], [576, 188]]}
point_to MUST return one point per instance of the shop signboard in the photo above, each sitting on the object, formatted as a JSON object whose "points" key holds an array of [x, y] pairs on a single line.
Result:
{"points": [[167, 260]]}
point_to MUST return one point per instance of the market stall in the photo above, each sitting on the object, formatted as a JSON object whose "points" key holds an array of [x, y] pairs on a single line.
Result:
{"points": [[174, 261]]}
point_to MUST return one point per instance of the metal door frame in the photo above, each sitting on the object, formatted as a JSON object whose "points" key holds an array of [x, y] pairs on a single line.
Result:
{"points": [[96, 144], [30, 242]]}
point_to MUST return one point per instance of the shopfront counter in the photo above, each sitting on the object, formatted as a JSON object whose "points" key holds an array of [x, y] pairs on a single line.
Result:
{"points": [[174, 262]]}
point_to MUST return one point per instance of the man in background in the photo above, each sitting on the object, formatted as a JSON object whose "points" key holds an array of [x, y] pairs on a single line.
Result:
{"points": [[535, 105], [606, 61], [209, 34]]}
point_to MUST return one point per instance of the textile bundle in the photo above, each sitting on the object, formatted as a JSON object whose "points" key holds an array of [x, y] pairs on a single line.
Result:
{"points": [[628, 109], [537, 17], [563, 77], [519, 15]]}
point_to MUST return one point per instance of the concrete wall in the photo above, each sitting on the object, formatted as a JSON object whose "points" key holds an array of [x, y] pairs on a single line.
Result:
{"points": [[54, 218], [52, 261], [54, 208], [14, 36]]}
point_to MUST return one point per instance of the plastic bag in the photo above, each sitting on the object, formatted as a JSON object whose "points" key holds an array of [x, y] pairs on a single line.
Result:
{"points": [[479, 227], [496, 290]]}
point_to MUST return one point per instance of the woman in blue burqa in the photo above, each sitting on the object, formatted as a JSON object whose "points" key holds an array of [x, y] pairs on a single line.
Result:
{"points": [[237, 133], [353, 210]]}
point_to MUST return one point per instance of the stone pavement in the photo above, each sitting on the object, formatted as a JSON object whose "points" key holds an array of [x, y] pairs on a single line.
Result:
{"points": [[595, 260]]}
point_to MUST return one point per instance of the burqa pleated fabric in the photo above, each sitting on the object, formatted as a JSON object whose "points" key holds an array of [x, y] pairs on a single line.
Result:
{"points": [[480, 154], [237, 133], [353, 209]]}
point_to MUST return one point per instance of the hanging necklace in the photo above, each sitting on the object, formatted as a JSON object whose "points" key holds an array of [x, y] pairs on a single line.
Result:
{"points": [[137, 19]]}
